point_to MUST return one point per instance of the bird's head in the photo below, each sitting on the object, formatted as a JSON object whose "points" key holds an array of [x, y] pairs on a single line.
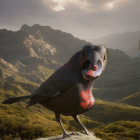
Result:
{"points": [[93, 61]]}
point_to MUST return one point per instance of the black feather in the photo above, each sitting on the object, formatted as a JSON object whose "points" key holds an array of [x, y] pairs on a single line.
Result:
{"points": [[16, 99]]}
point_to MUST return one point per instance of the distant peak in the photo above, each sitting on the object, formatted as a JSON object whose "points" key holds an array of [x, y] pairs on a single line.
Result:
{"points": [[37, 27], [25, 26]]}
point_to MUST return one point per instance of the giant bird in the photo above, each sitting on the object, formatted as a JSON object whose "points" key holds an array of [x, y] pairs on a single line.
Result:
{"points": [[68, 90]]}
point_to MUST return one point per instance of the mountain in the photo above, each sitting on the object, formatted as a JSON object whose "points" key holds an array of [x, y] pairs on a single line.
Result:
{"points": [[30, 55], [35, 52], [120, 79], [6, 69], [37, 42], [133, 99], [35, 48], [127, 42]]}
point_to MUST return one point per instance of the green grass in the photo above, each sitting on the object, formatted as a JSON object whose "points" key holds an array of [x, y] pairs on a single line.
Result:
{"points": [[121, 130], [133, 99], [38, 74], [18, 122], [108, 112]]}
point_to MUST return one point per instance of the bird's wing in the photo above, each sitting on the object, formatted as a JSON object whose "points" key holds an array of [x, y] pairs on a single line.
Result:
{"points": [[43, 93], [56, 85]]}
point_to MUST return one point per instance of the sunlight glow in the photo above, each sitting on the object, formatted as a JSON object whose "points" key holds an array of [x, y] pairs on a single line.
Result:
{"points": [[110, 5], [61, 5], [86, 5]]}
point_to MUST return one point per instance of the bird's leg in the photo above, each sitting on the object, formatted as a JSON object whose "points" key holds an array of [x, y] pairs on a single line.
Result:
{"points": [[57, 116], [77, 119]]}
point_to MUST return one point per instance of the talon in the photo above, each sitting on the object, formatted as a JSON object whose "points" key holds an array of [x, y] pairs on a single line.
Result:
{"points": [[92, 133], [86, 132], [65, 135], [73, 133]]}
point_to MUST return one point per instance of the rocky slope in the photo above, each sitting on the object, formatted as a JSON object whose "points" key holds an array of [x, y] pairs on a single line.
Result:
{"points": [[32, 54], [37, 42], [7, 69]]}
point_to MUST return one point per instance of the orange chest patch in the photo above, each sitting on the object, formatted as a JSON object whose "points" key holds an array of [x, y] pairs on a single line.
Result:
{"points": [[87, 99]]}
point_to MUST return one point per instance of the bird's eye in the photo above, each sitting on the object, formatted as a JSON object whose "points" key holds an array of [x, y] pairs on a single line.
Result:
{"points": [[104, 57]]}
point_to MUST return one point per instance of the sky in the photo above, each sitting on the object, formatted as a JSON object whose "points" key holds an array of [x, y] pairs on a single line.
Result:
{"points": [[85, 19]]}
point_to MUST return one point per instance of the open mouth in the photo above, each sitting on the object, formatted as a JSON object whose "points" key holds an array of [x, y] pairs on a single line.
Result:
{"points": [[90, 72]]}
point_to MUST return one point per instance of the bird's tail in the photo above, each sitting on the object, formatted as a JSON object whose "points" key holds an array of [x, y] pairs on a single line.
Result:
{"points": [[16, 99]]}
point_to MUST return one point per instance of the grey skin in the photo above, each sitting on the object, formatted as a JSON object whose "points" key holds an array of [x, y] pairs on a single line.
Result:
{"points": [[61, 91]]}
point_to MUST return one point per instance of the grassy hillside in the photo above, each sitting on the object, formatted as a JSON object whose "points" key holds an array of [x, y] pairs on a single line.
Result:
{"points": [[120, 130], [29, 56], [133, 99], [107, 112], [36, 51], [18, 122], [120, 79]]}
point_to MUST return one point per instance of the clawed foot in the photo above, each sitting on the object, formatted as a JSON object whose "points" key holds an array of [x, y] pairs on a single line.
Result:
{"points": [[87, 132], [66, 135], [74, 133], [69, 135]]}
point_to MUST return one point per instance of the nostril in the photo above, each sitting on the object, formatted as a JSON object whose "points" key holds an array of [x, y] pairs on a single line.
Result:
{"points": [[95, 67]]}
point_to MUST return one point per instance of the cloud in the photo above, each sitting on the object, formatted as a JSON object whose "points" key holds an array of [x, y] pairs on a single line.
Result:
{"points": [[60, 5], [83, 18], [86, 5]]}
